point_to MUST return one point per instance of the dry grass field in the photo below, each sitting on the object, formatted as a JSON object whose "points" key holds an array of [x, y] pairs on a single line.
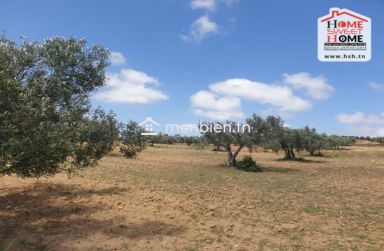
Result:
{"points": [[181, 198]]}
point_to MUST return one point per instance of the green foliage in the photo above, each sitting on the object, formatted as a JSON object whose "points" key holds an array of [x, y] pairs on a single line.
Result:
{"points": [[132, 140], [248, 164], [44, 100], [163, 139], [199, 143], [231, 134], [277, 137], [270, 133], [97, 135]]}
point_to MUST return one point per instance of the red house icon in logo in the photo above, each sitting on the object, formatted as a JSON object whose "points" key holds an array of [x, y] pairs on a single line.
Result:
{"points": [[336, 13]]}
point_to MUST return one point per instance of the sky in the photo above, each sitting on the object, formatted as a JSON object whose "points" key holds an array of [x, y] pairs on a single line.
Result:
{"points": [[182, 61]]}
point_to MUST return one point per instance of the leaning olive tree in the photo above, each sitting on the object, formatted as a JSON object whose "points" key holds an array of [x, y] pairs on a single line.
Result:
{"points": [[233, 137], [45, 124], [228, 135]]}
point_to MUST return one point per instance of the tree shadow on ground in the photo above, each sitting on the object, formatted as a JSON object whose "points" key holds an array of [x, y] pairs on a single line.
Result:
{"points": [[261, 169], [44, 216], [302, 160]]}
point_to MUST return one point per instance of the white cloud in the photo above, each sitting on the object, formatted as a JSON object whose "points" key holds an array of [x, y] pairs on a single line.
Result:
{"points": [[376, 86], [219, 115], [204, 26], [203, 4], [360, 124], [131, 86], [223, 101], [280, 97], [210, 5], [209, 105], [200, 29], [360, 118], [117, 58], [205, 99], [364, 131], [316, 87]]}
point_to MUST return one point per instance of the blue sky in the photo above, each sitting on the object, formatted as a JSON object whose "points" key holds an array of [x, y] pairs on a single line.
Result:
{"points": [[185, 60]]}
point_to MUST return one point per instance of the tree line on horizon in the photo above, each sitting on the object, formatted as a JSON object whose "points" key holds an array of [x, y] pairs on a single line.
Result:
{"points": [[47, 125], [377, 139], [270, 133]]}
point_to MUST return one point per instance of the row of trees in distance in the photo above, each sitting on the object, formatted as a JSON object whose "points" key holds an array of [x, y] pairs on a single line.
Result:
{"points": [[270, 133], [47, 125]]}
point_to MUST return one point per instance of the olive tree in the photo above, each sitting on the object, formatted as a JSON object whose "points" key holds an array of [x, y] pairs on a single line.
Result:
{"points": [[278, 137], [230, 135], [45, 124], [97, 135], [131, 138], [233, 137]]}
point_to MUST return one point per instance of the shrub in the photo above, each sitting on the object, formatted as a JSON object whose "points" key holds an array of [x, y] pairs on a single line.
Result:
{"points": [[132, 139], [248, 164]]}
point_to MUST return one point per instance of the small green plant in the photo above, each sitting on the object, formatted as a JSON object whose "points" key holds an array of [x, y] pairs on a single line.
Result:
{"points": [[248, 164]]}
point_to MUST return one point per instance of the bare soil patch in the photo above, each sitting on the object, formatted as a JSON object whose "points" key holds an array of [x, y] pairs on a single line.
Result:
{"points": [[180, 198]]}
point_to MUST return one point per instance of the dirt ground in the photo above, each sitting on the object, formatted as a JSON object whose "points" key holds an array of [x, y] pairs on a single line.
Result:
{"points": [[181, 198]]}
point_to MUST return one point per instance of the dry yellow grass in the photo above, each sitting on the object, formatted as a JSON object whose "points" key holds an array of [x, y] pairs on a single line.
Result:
{"points": [[177, 197]]}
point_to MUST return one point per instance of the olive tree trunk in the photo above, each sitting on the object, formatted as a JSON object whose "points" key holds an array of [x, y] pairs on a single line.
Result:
{"points": [[231, 157]]}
